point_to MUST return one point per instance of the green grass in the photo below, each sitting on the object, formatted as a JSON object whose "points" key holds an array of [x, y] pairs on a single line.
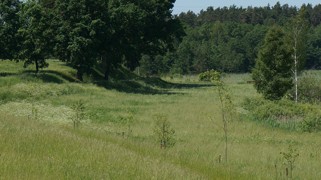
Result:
{"points": [[116, 140]]}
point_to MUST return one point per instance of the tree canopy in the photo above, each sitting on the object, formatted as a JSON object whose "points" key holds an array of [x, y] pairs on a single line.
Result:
{"points": [[108, 34], [9, 25]]}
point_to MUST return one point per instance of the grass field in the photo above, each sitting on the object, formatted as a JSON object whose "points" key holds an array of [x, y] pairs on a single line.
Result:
{"points": [[116, 140]]}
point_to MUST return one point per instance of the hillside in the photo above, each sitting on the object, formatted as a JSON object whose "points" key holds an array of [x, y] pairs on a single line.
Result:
{"points": [[116, 139]]}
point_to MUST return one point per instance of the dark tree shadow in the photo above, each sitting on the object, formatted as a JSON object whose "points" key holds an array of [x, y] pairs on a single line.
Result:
{"points": [[121, 80], [158, 82], [50, 76], [124, 80], [5, 74], [131, 86]]}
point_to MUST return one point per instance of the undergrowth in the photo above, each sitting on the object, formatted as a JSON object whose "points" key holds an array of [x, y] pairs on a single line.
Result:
{"points": [[284, 114]]}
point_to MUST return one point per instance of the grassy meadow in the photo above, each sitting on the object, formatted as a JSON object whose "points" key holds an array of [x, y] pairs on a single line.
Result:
{"points": [[115, 139]]}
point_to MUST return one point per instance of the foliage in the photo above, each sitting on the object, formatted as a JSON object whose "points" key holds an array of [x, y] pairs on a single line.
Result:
{"points": [[59, 152], [297, 37], [9, 25], [312, 123], [314, 49], [227, 108], [36, 35], [82, 32], [165, 134], [113, 33], [152, 65], [209, 76], [272, 73], [285, 114], [309, 88], [79, 109], [290, 157], [228, 39]]}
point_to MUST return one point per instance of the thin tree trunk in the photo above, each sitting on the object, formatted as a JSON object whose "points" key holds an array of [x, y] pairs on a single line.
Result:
{"points": [[296, 80], [106, 67], [296, 69], [224, 123], [225, 132], [79, 75], [37, 66]]}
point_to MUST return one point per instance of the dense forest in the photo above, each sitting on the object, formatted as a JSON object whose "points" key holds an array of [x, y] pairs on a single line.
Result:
{"points": [[228, 39], [145, 35]]}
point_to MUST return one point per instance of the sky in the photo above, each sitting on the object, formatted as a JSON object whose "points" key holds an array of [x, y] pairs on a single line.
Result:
{"points": [[197, 5]]}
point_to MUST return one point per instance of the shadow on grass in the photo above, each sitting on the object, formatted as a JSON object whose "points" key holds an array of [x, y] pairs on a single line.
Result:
{"points": [[158, 82], [131, 86], [50, 76], [124, 80], [5, 74]]}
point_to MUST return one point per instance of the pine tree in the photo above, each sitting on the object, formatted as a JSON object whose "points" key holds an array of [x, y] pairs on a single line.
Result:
{"points": [[272, 73]]}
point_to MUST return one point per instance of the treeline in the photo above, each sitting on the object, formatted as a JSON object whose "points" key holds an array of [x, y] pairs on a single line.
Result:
{"points": [[107, 34], [87, 34], [228, 39]]}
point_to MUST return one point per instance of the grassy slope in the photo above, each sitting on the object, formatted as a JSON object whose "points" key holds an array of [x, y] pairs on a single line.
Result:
{"points": [[116, 141]]}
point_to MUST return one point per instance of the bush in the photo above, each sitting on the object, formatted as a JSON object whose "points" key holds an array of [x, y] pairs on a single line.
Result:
{"points": [[285, 114], [311, 124], [209, 76], [309, 90]]}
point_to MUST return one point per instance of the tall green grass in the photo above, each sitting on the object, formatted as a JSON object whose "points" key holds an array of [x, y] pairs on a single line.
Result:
{"points": [[117, 140]]}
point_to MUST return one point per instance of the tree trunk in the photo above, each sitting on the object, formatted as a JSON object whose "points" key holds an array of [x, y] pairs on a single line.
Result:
{"points": [[37, 66], [224, 121], [106, 76], [296, 79], [79, 75], [106, 67], [296, 68]]}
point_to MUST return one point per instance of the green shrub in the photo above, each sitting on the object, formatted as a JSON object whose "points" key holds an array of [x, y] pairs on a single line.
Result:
{"points": [[311, 124], [309, 90], [285, 114], [209, 76]]}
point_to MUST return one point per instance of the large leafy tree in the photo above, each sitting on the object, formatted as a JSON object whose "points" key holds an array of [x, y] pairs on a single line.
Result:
{"points": [[9, 25], [141, 27], [113, 32], [272, 73], [82, 33], [36, 34]]}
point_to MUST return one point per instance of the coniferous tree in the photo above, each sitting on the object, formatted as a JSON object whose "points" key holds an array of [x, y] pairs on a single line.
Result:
{"points": [[272, 73]]}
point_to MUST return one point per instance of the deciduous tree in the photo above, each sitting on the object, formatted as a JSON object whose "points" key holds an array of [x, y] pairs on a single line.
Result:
{"points": [[36, 34], [9, 25]]}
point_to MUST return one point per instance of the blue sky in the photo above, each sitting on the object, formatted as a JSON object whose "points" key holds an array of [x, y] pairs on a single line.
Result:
{"points": [[197, 5]]}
